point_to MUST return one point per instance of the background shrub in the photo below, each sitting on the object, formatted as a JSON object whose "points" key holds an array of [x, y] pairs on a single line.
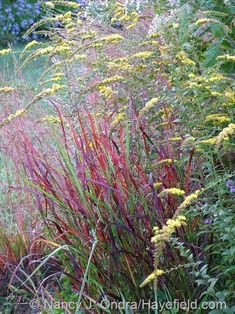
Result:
{"points": [[15, 18]]}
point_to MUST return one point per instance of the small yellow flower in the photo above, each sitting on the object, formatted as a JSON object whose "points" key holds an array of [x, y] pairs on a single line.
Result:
{"points": [[183, 58], [4, 52], [163, 162], [226, 58], [218, 118], [30, 45], [157, 185], [228, 131], [110, 80], [13, 116], [143, 55], [49, 91], [50, 4], [6, 89], [209, 141], [156, 273], [112, 39], [175, 139], [119, 118], [188, 201], [50, 120], [172, 191], [106, 92], [216, 94], [148, 106]]}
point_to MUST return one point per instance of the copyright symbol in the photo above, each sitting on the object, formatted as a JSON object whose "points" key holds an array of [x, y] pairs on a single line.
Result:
{"points": [[34, 304]]}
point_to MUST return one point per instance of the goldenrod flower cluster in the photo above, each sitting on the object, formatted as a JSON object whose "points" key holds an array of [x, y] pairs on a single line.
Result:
{"points": [[50, 120], [226, 58], [218, 118], [157, 185], [226, 132], [154, 35], [121, 16], [49, 91], [6, 89], [111, 39], [17, 114], [207, 20], [188, 201], [167, 230], [216, 94], [215, 78], [164, 162], [172, 191], [119, 118], [56, 78], [148, 106], [4, 52], [161, 236], [230, 95], [44, 51], [107, 92], [156, 273], [209, 141], [175, 139], [143, 55], [49, 4], [30, 45], [110, 80], [88, 35], [183, 58], [120, 64]]}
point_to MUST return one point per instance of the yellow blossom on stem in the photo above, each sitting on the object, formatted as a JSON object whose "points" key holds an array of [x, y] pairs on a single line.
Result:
{"points": [[107, 92], [226, 132], [148, 106], [6, 89], [49, 4], [4, 52], [49, 91], [11, 117], [119, 118], [163, 162], [188, 201], [143, 55], [110, 80], [209, 141], [218, 118], [172, 191], [50, 120], [112, 39], [156, 273], [157, 185], [183, 58], [30, 45], [226, 58]]}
